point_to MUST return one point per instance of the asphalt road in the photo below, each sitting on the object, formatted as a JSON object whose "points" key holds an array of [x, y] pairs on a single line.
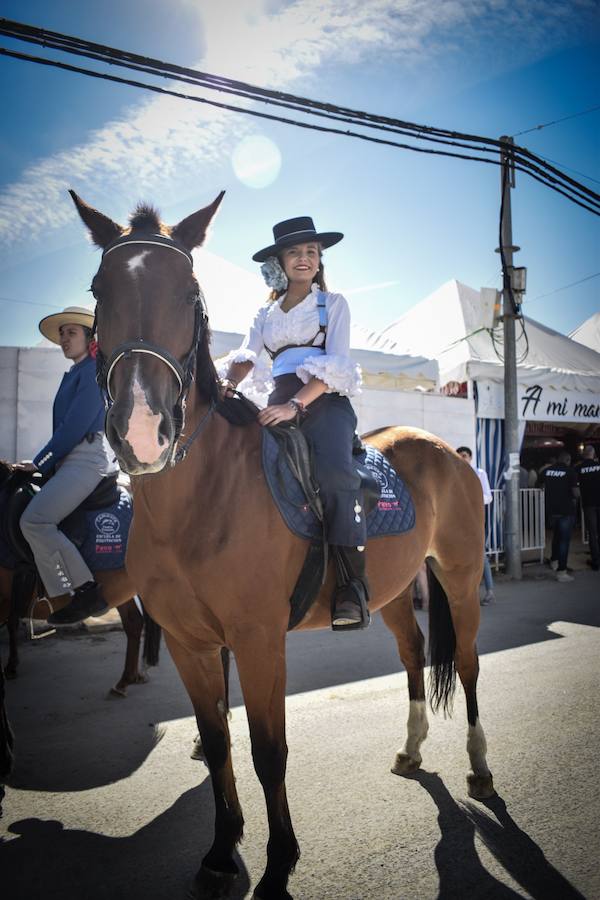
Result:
{"points": [[106, 803]]}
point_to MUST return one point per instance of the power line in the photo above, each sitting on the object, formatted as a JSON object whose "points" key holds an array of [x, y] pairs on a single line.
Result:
{"points": [[570, 168], [583, 112], [571, 193], [29, 302], [523, 159], [564, 288]]}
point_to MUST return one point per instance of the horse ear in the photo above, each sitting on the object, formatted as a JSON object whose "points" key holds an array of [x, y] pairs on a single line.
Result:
{"points": [[102, 229], [191, 232]]}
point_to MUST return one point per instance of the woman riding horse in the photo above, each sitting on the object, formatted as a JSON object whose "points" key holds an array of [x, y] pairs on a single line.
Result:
{"points": [[215, 562], [306, 331], [77, 457]]}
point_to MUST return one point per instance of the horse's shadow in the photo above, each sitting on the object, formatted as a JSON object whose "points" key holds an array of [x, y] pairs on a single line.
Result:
{"points": [[460, 869], [160, 860]]}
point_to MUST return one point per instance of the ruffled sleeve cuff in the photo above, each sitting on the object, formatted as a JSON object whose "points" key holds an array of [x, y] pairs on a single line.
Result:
{"points": [[244, 354], [340, 373], [258, 383]]}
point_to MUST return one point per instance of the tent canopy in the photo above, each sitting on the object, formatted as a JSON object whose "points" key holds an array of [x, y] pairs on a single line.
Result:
{"points": [[447, 326], [588, 333]]}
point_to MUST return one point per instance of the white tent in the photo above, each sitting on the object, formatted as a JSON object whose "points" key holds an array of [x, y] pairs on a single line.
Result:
{"points": [[588, 333], [446, 326]]}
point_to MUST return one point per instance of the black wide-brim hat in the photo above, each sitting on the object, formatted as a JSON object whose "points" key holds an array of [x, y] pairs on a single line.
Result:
{"points": [[297, 231]]}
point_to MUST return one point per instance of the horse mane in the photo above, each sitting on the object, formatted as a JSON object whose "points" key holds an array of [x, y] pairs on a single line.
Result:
{"points": [[238, 410], [146, 217], [6, 470], [207, 380]]}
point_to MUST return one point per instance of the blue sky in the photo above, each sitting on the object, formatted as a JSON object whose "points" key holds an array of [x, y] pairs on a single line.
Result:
{"points": [[411, 222]]}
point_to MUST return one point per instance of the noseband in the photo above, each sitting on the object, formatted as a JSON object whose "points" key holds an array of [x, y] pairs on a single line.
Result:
{"points": [[184, 370]]}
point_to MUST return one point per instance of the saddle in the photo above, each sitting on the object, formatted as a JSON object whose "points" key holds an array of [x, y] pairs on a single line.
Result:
{"points": [[104, 495]]}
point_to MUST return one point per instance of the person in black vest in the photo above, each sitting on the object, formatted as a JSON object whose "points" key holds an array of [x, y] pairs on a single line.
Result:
{"points": [[305, 329], [588, 473], [560, 487]]}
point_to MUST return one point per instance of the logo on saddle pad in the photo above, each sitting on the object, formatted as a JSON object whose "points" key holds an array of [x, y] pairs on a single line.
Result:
{"points": [[107, 524], [387, 497]]}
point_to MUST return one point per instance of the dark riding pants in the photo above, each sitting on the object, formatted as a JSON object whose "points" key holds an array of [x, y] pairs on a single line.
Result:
{"points": [[329, 428]]}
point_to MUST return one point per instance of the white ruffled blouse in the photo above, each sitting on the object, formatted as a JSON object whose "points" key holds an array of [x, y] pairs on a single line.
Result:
{"points": [[275, 329]]}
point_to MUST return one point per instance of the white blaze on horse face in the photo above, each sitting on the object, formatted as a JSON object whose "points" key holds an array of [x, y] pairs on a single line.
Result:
{"points": [[143, 435], [137, 262], [477, 749]]}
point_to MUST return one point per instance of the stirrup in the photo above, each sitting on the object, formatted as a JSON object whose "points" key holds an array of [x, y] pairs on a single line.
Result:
{"points": [[350, 597]]}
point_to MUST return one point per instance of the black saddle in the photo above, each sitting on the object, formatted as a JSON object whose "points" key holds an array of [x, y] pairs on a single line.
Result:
{"points": [[105, 494], [294, 447]]}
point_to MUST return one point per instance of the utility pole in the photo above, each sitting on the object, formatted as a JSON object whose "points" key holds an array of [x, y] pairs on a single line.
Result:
{"points": [[512, 529]]}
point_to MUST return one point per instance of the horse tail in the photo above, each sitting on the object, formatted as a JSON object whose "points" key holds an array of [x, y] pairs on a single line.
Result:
{"points": [[152, 635], [442, 645]]}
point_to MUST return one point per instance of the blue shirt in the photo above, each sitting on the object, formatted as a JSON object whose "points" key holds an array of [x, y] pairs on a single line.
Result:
{"points": [[78, 410]]}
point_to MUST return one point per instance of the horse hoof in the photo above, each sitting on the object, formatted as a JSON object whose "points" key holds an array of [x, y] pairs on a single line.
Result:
{"points": [[405, 764], [117, 691], [480, 787], [140, 678], [211, 885], [10, 673]]}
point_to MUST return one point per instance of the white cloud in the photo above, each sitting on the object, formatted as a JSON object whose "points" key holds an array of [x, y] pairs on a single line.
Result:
{"points": [[163, 138]]}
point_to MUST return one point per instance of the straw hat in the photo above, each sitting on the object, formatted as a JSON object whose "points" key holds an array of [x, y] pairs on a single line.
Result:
{"points": [[71, 315]]}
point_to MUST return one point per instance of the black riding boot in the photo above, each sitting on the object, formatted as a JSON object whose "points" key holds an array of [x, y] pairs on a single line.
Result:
{"points": [[349, 609], [87, 601]]}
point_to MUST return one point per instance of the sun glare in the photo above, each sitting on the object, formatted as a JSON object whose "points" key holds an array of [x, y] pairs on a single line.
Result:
{"points": [[256, 161]]}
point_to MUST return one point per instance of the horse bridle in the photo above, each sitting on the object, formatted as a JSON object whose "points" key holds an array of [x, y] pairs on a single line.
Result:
{"points": [[184, 370]]}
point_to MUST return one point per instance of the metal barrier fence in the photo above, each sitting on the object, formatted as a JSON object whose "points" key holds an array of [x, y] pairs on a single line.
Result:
{"points": [[532, 523]]}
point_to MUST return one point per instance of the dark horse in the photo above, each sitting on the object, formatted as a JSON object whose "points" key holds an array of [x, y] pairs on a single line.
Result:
{"points": [[21, 595], [209, 551]]}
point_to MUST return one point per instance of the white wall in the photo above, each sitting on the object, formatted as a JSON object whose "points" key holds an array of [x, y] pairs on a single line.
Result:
{"points": [[29, 379], [451, 418]]}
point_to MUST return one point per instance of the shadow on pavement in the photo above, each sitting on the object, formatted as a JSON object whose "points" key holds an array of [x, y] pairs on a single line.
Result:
{"points": [[69, 738], [158, 861], [460, 869]]}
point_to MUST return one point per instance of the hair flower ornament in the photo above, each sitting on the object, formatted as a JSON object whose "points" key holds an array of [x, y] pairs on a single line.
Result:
{"points": [[273, 274]]}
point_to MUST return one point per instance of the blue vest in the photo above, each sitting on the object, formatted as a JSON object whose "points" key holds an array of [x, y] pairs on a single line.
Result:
{"points": [[287, 359]]}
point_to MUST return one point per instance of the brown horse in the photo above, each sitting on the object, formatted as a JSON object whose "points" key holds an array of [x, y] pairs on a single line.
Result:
{"points": [[212, 557], [117, 587]]}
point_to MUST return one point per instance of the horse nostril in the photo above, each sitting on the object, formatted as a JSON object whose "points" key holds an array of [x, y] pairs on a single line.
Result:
{"points": [[165, 432], [114, 429]]}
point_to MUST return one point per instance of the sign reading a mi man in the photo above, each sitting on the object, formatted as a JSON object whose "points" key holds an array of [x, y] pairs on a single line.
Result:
{"points": [[539, 403]]}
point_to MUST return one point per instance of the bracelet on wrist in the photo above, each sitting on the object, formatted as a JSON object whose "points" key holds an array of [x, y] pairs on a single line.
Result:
{"points": [[298, 406], [229, 384]]}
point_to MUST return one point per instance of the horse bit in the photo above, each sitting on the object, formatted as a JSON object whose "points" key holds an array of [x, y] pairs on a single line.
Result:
{"points": [[183, 371]]}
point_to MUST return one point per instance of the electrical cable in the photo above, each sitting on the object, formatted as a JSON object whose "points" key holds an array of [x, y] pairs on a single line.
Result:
{"points": [[548, 181], [564, 287], [584, 112], [530, 162]]}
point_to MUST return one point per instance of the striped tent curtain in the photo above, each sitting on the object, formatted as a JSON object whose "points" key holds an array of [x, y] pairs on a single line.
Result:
{"points": [[490, 449]]}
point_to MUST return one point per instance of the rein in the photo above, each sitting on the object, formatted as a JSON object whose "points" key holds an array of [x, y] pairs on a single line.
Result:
{"points": [[182, 370]]}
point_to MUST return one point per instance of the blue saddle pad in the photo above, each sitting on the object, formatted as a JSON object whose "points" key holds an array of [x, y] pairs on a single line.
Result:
{"points": [[102, 542], [106, 534], [394, 513]]}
